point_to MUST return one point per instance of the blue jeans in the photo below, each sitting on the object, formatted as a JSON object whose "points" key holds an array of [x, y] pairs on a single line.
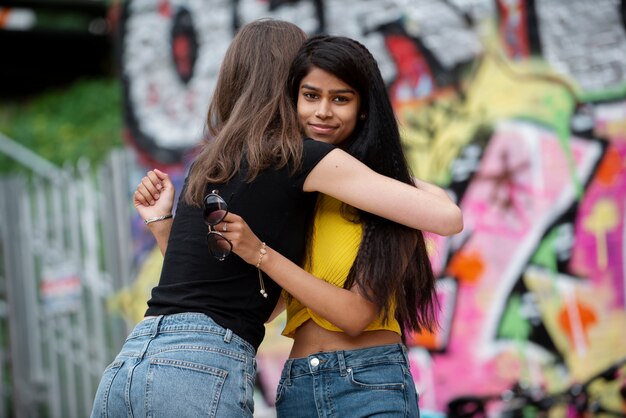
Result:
{"points": [[182, 365], [367, 382]]}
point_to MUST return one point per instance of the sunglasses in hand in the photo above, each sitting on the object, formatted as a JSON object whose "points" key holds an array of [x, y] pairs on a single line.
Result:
{"points": [[215, 210]]}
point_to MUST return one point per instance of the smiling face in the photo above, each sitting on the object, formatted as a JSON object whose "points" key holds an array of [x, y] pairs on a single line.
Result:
{"points": [[327, 107]]}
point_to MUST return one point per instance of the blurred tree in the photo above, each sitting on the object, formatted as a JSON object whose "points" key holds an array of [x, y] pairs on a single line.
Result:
{"points": [[84, 119]]}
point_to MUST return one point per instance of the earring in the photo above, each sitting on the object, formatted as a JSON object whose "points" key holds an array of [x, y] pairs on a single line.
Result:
{"points": [[362, 116]]}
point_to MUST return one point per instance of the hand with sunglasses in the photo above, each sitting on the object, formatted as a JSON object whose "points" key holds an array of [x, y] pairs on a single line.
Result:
{"points": [[219, 245], [154, 198], [318, 294], [244, 242], [215, 210]]}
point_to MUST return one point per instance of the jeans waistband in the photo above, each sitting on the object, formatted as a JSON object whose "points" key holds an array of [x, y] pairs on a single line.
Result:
{"points": [[342, 360], [186, 322]]}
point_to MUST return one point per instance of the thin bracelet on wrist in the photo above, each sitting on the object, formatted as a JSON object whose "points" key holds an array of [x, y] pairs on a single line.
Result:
{"points": [[262, 252], [158, 218]]}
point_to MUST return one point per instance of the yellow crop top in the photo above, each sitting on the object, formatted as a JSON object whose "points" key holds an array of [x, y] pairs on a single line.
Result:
{"points": [[336, 242]]}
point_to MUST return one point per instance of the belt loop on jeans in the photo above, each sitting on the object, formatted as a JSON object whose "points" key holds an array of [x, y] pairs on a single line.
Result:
{"points": [[405, 355], [154, 328], [288, 365], [228, 336], [342, 363]]}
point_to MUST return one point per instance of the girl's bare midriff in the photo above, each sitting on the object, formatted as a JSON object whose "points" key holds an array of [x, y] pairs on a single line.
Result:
{"points": [[310, 338]]}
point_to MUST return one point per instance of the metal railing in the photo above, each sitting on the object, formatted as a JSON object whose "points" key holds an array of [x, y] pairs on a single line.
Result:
{"points": [[65, 248]]}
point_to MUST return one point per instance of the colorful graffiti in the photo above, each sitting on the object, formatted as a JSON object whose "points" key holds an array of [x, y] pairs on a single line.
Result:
{"points": [[518, 108]]}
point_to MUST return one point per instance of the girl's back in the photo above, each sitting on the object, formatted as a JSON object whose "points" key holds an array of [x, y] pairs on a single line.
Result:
{"points": [[275, 206]]}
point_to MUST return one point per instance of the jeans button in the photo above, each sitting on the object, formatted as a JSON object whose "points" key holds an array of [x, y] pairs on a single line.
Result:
{"points": [[314, 362]]}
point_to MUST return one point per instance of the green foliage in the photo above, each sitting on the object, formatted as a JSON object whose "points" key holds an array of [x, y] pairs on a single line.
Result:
{"points": [[83, 119], [67, 20]]}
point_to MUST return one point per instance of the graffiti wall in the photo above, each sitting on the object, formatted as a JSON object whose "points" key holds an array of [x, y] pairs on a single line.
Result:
{"points": [[517, 107]]}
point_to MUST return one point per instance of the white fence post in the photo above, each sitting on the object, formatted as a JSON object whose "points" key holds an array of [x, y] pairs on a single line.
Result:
{"points": [[65, 249]]}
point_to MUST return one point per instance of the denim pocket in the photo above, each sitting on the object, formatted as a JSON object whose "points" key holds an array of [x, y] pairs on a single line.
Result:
{"points": [[378, 377], [183, 388], [376, 390]]}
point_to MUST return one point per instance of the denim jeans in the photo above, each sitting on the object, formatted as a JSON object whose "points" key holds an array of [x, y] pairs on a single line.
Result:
{"points": [[182, 365], [367, 382]]}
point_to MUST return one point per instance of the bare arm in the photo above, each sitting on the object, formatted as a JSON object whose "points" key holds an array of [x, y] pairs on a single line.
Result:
{"points": [[431, 188], [346, 309], [154, 197], [425, 206]]}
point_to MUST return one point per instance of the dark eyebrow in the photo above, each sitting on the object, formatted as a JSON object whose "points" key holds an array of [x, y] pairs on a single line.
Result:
{"points": [[339, 91]]}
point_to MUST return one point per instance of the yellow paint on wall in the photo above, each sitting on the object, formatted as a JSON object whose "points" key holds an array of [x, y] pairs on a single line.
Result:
{"points": [[435, 129], [131, 302]]}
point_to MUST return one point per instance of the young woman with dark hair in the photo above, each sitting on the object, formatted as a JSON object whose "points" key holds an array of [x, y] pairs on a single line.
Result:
{"points": [[367, 279], [375, 141], [235, 297]]}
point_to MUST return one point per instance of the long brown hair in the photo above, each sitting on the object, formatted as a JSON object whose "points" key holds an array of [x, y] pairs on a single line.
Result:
{"points": [[250, 115], [392, 265]]}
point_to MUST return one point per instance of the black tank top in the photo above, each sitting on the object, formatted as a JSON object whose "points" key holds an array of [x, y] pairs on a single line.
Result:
{"points": [[278, 212]]}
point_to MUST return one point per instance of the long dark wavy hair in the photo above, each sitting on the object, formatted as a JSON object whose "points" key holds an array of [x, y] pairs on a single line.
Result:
{"points": [[250, 115], [392, 265]]}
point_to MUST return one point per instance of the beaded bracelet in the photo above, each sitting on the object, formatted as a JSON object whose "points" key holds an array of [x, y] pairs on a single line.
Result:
{"points": [[262, 252]]}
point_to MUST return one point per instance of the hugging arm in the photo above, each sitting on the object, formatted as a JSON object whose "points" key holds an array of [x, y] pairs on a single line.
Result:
{"points": [[346, 309], [423, 206], [153, 198]]}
